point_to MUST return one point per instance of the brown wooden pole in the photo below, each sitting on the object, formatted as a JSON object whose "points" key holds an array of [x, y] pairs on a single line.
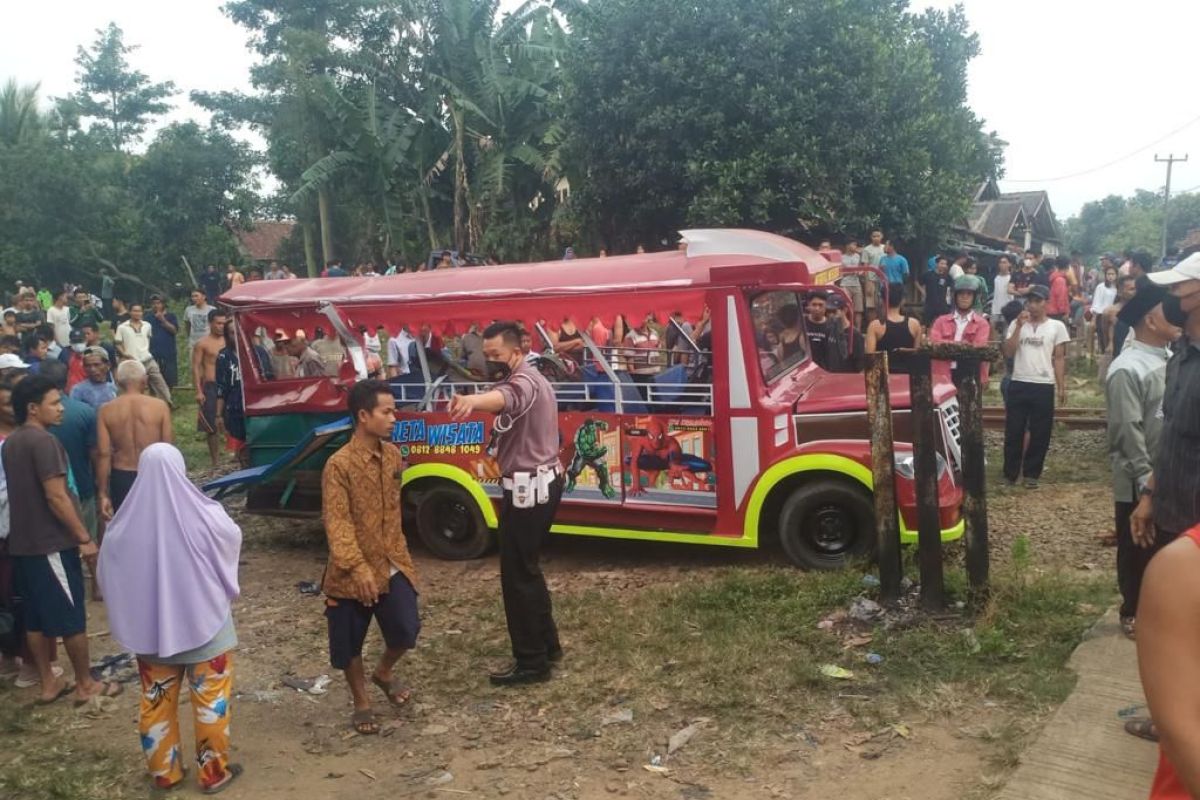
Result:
{"points": [[883, 473], [929, 528], [970, 404]]}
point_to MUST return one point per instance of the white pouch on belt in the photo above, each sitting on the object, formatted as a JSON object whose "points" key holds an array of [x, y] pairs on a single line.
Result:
{"points": [[523, 490], [545, 478]]}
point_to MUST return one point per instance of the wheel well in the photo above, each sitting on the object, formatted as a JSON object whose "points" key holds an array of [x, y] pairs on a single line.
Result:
{"points": [[768, 531], [413, 491]]}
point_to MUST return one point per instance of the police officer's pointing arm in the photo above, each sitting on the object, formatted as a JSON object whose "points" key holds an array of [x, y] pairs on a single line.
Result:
{"points": [[463, 405]]}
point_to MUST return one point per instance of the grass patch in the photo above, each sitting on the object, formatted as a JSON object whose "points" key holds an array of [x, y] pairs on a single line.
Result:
{"points": [[743, 648], [34, 766]]}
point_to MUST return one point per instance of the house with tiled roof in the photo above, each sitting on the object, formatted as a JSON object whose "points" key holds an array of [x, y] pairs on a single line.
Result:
{"points": [[1011, 221], [262, 242]]}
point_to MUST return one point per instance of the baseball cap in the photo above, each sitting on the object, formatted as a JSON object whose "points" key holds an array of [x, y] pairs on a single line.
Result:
{"points": [[12, 361], [834, 302], [1186, 270], [76, 336], [1148, 296], [1037, 290], [282, 336]]}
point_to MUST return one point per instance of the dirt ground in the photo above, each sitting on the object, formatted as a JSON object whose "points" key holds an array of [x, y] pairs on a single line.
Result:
{"points": [[573, 738]]}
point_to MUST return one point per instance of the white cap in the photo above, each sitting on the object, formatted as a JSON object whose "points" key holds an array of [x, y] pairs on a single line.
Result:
{"points": [[12, 361], [1186, 270]]}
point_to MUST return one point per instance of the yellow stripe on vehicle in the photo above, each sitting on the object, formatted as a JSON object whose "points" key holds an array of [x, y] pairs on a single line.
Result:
{"points": [[459, 476]]}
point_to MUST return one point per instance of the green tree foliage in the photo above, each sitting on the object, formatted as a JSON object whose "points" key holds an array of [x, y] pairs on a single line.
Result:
{"points": [[804, 118], [121, 100], [1115, 223], [71, 205], [21, 120]]}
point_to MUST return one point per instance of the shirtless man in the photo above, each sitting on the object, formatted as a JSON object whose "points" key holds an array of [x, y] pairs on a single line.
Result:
{"points": [[204, 377], [125, 427]]}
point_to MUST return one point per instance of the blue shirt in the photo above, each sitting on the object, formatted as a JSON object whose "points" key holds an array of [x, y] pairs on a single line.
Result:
{"points": [[895, 267], [94, 394], [77, 433], [162, 341]]}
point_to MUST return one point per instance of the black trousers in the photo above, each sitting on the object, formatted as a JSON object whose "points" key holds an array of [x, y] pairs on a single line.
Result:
{"points": [[523, 533], [1133, 560], [169, 364], [1030, 409]]}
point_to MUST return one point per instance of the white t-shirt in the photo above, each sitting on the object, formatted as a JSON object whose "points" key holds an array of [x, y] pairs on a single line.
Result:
{"points": [[60, 318], [135, 344], [872, 254], [1000, 295], [1103, 297], [1034, 361]]}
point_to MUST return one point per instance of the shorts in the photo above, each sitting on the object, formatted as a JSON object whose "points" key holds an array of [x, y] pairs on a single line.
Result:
{"points": [[235, 425], [206, 415], [49, 591], [120, 481], [349, 620]]}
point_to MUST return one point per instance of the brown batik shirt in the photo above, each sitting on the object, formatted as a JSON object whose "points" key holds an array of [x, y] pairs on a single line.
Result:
{"points": [[360, 490]]}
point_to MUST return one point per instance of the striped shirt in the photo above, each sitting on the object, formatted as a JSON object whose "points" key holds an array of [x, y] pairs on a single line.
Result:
{"points": [[1177, 468]]}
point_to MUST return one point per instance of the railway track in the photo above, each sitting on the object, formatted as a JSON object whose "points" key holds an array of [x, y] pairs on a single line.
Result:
{"points": [[1073, 418]]}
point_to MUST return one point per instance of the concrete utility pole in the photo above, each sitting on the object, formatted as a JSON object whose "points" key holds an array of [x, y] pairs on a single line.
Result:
{"points": [[1170, 162]]}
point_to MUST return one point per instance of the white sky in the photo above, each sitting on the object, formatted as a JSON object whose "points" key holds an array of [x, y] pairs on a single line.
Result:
{"points": [[1069, 84]]}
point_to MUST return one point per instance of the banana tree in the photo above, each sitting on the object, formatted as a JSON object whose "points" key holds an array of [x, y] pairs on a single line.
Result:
{"points": [[373, 151]]}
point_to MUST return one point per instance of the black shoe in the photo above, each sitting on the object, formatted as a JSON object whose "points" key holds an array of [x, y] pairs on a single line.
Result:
{"points": [[555, 656], [517, 675]]}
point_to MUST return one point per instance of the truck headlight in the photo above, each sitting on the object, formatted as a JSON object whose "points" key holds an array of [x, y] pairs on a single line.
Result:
{"points": [[906, 466]]}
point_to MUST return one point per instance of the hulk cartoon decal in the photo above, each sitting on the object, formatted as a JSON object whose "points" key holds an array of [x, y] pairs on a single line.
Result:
{"points": [[589, 452]]}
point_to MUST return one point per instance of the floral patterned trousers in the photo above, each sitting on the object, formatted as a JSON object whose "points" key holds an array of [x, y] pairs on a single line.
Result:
{"points": [[210, 684]]}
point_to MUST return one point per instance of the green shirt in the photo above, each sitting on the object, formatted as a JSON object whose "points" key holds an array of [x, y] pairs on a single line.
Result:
{"points": [[85, 316]]}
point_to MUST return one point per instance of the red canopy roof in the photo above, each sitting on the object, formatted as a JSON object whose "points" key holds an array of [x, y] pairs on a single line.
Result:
{"points": [[708, 250]]}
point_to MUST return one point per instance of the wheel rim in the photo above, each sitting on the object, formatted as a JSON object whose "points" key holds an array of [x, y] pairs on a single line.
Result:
{"points": [[830, 530], [452, 520]]}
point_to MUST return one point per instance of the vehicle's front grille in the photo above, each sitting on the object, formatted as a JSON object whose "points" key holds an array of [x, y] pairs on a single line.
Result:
{"points": [[948, 411]]}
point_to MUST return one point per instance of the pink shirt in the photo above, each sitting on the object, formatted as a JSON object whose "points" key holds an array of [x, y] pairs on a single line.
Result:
{"points": [[977, 331]]}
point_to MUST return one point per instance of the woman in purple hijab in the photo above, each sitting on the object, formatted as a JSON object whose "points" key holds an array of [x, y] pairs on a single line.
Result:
{"points": [[168, 569]]}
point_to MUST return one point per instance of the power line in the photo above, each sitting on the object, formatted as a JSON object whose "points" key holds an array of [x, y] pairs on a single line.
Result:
{"points": [[1108, 164]]}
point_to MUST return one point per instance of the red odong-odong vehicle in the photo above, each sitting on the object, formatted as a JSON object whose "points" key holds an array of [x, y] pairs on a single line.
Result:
{"points": [[724, 440]]}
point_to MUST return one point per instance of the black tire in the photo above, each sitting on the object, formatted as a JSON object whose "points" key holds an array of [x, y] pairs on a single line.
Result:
{"points": [[451, 525], [827, 524]]}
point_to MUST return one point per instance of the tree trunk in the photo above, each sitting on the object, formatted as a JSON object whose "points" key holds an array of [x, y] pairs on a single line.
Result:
{"points": [[310, 250], [428, 218], [326, 224], [460, 183]]}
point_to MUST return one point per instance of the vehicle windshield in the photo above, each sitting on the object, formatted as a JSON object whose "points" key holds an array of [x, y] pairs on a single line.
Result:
{"points": [[779, 331]]}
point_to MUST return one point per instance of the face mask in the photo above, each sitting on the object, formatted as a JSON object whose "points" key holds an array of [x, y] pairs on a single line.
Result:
{"points": [[1029, 262], [78, 347], [1173, 311], [498, 370]]}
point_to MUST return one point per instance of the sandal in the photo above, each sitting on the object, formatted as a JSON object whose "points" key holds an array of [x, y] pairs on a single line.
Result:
{"points": [[364, 723], [108, 689], [1142, 728], [231, 774], [1129, 627], [63, 692], [396, 694]]}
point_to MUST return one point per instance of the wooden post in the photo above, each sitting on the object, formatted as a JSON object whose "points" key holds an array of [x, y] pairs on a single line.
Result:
{"points": [[929, 528], [970, 406], [883, 472]]}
